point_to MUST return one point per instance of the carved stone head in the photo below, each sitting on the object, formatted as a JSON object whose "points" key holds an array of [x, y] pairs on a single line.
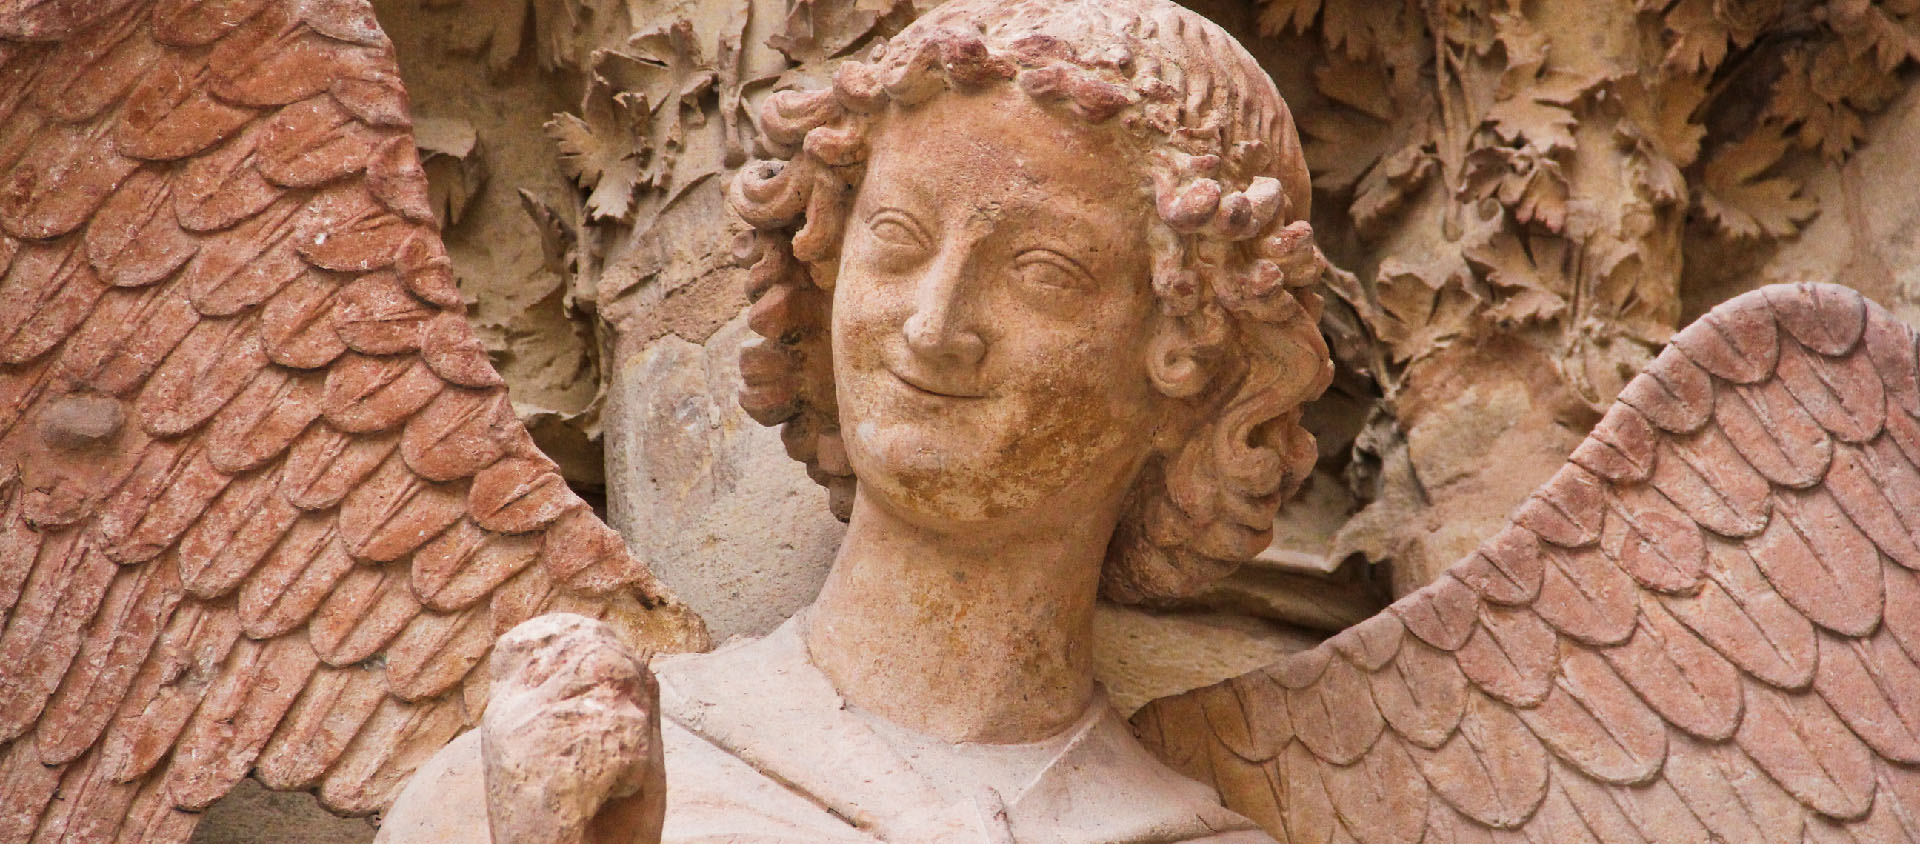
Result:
{"points": [[1030, 254]]}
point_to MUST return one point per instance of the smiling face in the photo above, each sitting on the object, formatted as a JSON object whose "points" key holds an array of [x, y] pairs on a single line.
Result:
{"points": [[992, 313]]}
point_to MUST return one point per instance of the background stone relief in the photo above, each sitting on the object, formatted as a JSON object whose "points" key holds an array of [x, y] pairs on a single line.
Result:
{"points": [[710, 489]]}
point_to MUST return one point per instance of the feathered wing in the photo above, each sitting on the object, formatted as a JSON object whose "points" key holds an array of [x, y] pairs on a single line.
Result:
{"points": [[264, 504], [1705, 627]]}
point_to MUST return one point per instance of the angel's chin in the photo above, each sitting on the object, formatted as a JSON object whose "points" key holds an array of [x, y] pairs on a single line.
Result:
{"points": [[926, 477]]}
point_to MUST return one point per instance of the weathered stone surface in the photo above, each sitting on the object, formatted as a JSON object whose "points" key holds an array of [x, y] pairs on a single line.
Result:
{"points": [[706, 495], [1141, 656], [250, 809]]}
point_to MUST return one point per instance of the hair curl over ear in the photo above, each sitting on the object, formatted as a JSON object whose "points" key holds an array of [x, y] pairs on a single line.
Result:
{"points": [[1233, 257]]}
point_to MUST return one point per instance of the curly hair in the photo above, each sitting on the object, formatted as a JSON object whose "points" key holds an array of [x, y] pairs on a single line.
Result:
{"points": [[1232, 254]]}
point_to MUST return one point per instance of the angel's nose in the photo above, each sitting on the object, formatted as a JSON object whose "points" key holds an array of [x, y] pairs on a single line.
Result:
{"points": [[941, 327]]}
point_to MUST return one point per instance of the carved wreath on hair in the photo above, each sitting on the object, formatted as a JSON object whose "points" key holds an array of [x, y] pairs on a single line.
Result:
{"points": [[1230, 269]]}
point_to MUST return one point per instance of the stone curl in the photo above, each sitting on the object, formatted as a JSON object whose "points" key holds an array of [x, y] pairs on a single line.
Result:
{"points": [[1232, 260]]}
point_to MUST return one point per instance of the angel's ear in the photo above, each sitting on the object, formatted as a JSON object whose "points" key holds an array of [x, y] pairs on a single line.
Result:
{"points": [[1183, 351], [1181, 368], [1249, 451], [1173, 361]]}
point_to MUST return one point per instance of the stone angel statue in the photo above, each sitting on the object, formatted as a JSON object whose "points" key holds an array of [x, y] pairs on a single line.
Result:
{"points": [[1038, 307]]}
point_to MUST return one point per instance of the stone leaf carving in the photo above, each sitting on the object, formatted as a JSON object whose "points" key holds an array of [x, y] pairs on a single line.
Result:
{"points": [[1706, 627], [1533, 198], [264, 505]]}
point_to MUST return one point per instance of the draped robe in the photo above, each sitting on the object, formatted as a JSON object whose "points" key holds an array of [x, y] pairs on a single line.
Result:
{"points": [[761, 749]]}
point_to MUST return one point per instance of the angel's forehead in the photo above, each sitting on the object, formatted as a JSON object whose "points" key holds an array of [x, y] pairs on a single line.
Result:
{"points": [[999, 152]]}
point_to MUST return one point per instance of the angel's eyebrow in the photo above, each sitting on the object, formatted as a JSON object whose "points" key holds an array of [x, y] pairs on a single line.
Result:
{"points": [[895, 209], [1046, 221]]}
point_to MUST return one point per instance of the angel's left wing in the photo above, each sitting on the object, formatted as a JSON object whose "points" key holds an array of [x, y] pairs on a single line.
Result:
{"points": [[1704, 628]]}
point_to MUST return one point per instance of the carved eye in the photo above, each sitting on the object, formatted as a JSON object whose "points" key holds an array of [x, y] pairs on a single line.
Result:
{"points": [[1050, 269], [897, 232]]}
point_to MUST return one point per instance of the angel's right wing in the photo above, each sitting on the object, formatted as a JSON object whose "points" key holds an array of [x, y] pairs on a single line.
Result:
{"points": [[264, 502], [1704, 628]]}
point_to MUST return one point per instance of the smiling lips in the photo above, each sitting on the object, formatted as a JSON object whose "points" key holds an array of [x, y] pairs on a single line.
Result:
{"points": [[930, 386]]}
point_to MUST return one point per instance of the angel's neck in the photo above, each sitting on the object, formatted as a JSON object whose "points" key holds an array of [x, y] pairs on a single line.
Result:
{"points": [[962, 635]]}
